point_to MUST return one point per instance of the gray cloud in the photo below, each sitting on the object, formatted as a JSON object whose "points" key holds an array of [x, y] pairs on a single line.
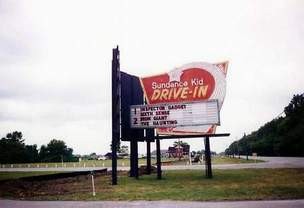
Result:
{"points": [[55, 79]]}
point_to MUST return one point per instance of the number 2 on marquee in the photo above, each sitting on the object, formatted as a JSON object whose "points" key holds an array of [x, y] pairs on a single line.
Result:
{"points": [[135, 121]]}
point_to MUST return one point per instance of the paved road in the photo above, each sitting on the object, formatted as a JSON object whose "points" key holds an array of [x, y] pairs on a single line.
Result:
{"points": [[151, 204], [271, 162]]}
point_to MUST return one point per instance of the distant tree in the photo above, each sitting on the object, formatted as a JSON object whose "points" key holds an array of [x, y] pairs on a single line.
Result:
{"points": [[16, 137], [31, 153], [296, 105], [282, 136], [56, 151], [43, 153], [14, 150], [183, 145], [180, 143], [93, 156], [200, 152]]}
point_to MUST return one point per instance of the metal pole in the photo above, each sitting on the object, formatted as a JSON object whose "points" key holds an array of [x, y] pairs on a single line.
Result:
{"points": [[208, 158], [93, 184], [136, 159], [132, 174], [158, 159], [148, 157], [115, 111], [205, 157]]}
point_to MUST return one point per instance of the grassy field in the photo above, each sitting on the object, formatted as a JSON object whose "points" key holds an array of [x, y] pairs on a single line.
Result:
{"points": [[16, 175], [248, 184], [120, 162]]}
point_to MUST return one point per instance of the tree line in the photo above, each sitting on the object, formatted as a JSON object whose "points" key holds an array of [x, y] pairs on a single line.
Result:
{"points": [[14, 150], [283, 136]]}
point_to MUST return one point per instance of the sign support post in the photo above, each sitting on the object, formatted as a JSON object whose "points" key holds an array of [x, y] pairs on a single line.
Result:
{"points": [[115, 111], [149, 138], [208, 158], [158, 159], [148, 157], [134, 159]]}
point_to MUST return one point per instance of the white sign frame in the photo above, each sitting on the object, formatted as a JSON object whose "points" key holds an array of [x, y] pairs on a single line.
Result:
{"points": [[162, 106]]}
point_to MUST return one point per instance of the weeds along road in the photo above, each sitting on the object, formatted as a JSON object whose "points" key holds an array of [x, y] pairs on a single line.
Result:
{"points": [[270, 162], [152, 204]]}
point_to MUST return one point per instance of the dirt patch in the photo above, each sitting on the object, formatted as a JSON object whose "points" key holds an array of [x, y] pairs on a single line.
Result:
{"points": [[25, 189]]}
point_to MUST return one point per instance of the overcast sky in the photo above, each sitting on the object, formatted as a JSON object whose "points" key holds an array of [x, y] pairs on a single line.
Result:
{"points": [[55, 61]]}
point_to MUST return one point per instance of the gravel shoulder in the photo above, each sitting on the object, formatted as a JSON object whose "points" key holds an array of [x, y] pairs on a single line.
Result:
{"points": [[151, 204]]}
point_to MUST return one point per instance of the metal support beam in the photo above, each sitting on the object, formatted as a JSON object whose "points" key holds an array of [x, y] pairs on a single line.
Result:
{"points": [[148, 157], [179, 136], [208, 158], [134, 159], [158, 159], [115, 111]]}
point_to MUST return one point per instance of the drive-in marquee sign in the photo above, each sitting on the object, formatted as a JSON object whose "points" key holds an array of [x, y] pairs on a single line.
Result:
{"points": [[192, 82], [183, 103], [175, 114]]}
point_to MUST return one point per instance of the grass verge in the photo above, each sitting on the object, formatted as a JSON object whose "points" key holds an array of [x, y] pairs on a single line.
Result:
{"points": [[191, 185]]}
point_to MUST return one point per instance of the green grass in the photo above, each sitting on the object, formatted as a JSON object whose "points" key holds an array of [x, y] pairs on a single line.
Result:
{"points": [[16, 175], [226, 185], [218, 161], [246, 184]]}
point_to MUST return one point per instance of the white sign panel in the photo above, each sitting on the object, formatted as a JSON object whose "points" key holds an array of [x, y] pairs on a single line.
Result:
{"points": [[175, 114]]}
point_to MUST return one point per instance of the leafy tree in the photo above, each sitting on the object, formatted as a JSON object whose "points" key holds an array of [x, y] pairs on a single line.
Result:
{"points": [[56, 151], [93, 156], [184, 145], [295, 106], [43, 153], [31, 153], [283, 136], [180, 143], [14, 150]]}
